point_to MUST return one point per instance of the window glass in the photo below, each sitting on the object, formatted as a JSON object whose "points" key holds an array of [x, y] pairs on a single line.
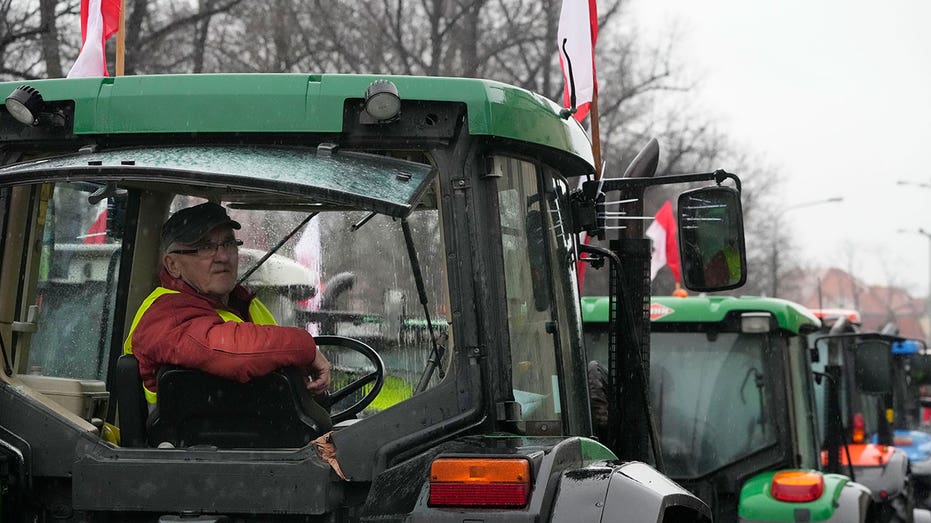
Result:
{"points": [[710, 400], [349, 274], [562, 263], [525, 223], [76, 286], [818, 367], [596, 342], [802, 403]]}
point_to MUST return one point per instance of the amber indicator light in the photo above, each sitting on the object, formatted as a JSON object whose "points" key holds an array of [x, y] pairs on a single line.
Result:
{"points": [[479, 482], [797, 486]]}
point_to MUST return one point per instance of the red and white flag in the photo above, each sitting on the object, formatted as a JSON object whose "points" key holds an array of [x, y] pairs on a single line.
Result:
{"points": [[664, 234], [97, 233], [309, 253], [578, 29], [100, 19]]}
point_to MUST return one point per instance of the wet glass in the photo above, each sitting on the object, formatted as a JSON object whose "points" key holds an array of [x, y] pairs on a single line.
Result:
{"points": [[527, 233], [709, 399], [76, 288], [388, 185], [336, 277], [711, 239]]}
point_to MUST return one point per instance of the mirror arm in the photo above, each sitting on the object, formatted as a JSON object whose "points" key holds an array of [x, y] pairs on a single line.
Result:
{"points": [[620, 184]]}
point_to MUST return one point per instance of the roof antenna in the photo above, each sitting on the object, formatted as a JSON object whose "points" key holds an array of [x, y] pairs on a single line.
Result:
{"points": [[567, 112]]}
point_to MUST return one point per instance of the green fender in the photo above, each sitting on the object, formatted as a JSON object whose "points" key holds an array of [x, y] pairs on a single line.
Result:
{"points": [[757, 503]]}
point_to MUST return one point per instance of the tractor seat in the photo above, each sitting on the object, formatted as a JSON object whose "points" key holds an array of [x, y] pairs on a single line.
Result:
{"points": [[271, 411], [196, 408]]}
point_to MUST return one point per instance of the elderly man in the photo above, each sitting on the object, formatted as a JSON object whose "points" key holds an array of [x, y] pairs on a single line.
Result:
{"points": [[200, 318]]}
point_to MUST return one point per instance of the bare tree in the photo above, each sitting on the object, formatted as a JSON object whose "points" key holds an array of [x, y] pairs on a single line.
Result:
{"points": [[49, 38], [19, 33]]}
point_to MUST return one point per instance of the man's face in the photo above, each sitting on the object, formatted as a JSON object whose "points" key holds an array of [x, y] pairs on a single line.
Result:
{"points": [[213, 275]]}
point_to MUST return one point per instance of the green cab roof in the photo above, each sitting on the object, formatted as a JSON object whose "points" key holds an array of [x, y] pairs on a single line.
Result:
{"points": [[701, 309], [298, 103]]}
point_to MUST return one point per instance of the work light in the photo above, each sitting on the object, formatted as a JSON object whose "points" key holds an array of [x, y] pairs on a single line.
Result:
{"points": [[382, 101], [24, 104]]}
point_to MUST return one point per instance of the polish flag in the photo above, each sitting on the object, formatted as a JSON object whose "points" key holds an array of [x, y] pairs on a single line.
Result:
{"points": [[578, 29], [97, 233], [100, 19], [663, 232]]}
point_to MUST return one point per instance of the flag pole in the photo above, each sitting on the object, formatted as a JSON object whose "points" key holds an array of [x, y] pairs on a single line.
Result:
{"points": [[596, 135], [121, 39]]}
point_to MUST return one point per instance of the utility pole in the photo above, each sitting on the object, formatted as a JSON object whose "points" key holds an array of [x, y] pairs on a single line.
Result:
{"points": [[775, 235], [926, 234]]}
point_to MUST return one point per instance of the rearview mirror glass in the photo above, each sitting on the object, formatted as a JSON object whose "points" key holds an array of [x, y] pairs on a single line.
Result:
{"points": [[711, 239], [873, 367], [921, 369]]}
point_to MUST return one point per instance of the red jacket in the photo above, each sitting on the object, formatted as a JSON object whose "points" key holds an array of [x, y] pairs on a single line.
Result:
{"points": [[185, 329]]}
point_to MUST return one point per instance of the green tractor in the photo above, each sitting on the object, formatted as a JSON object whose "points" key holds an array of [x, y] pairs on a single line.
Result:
{"points": [[733, 396], [436, 224]]}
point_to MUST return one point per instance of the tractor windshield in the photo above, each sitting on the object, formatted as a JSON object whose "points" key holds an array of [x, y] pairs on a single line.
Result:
{"points": [[318, 249], [710, 399]]}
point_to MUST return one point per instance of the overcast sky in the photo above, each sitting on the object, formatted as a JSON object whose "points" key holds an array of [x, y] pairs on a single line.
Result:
{"points": [[836, 94]]}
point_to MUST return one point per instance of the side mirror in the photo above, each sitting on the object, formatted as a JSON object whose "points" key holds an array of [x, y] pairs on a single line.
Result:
{"points": [[873, 366], [116, 214], [921, 369], [711, 239]]}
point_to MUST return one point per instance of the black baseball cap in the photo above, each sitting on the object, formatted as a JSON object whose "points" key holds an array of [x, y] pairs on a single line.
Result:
{"points": [[193, 223]]}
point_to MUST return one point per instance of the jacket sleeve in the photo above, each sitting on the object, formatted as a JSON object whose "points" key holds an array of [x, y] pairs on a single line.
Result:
{"points": [[179, 330]]}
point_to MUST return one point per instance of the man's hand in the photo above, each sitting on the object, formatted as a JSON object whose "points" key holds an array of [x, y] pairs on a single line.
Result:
{"points": [[320, 372]]}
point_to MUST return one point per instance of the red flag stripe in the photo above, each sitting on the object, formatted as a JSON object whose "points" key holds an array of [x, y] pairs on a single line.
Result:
{"points": [[110, 10], [664, 233]]}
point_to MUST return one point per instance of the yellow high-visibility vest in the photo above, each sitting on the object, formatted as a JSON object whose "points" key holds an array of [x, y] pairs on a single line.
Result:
{"points": [[257, 310]]}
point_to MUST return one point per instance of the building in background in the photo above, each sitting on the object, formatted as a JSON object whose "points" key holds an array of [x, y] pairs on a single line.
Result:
{"points": [[878, 305]]}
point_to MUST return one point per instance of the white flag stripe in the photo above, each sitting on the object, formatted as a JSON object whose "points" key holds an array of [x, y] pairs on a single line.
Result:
{"points": [[575, 28], [90, 62], [657, 233]]}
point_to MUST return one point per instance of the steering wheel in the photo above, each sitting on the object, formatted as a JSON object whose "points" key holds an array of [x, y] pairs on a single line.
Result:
{"points": [[377, 377]]}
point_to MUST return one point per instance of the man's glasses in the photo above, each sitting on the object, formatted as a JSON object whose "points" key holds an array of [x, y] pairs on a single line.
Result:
{"points": [[209, 249]]}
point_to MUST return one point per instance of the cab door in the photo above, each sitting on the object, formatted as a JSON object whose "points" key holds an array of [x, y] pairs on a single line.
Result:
{"points": [[22, 231], [65, 260]]}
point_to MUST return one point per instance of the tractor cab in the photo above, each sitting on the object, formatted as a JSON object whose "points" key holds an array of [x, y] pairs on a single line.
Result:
{"points": [[911, 366], [424, 230], [857, 391], [732, 393]]}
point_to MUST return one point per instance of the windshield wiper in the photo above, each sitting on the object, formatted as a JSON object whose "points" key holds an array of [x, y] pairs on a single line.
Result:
{"points": [[274, 249], [436, 356], [758, 381]]}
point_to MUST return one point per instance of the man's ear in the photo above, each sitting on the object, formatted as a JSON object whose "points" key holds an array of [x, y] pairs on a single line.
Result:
{"points": [[171, 265]]}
